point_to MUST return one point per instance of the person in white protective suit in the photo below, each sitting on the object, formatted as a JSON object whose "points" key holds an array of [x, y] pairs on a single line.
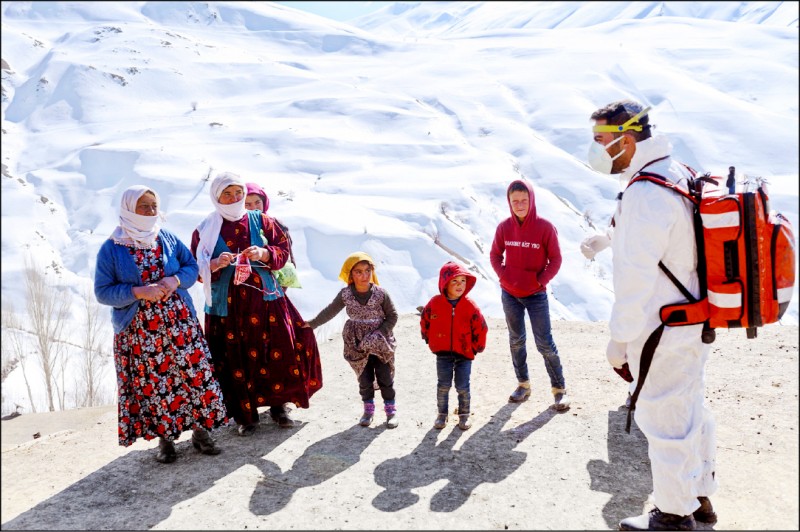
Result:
{"points": [[654, 224]]}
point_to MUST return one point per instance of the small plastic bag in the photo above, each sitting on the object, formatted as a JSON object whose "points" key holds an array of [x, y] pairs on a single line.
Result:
{"points": [[287, 276]]}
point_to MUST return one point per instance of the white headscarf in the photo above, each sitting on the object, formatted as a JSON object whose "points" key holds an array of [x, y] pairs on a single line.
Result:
{"points": [[134, 229], [210, 227]]}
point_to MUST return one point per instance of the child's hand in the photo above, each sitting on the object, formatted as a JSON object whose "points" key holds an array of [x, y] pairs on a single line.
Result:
{"points": [[374, 342]]}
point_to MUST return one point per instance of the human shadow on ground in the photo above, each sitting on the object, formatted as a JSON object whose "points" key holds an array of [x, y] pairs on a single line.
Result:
{"points": [[487, 455], [136, 492], [320, 462], [626, 475]]}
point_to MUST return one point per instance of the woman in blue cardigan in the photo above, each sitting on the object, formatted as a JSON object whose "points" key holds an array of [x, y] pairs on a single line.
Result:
{"points": [[165, 377]]}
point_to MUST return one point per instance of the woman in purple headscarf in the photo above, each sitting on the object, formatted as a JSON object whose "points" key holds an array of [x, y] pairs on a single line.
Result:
{"points": [[257, 200]]}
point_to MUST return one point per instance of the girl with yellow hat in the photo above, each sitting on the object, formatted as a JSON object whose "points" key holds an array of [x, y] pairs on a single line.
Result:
{"points": [[369, 344]]}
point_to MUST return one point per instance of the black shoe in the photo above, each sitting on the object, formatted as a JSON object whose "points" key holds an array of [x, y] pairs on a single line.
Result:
{"points": [[658, 520], [202, 442], [166, 452], [247, 430], [520, 394], [705, 514], [281, 417]]}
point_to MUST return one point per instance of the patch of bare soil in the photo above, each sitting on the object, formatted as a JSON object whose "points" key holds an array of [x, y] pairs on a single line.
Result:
{"points": [[521, 466]]}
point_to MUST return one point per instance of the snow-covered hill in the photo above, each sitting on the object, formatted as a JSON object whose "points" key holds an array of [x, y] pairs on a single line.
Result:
{"points": [[397, 137], [454, 19]]}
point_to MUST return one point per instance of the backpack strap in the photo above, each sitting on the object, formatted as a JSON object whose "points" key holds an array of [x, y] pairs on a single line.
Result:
{"points": [[662, 178], [646, 359], [664, 182]]}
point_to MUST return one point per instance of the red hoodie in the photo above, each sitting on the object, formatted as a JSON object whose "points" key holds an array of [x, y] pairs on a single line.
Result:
{"points": [[458, 329], [525, 255]]}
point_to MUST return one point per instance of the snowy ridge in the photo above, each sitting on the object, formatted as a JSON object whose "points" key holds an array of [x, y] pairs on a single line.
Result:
{"points": [[400, 143]]}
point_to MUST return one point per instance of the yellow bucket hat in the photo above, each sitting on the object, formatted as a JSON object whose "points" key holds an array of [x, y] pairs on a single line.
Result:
{"points": [[352, 260]]}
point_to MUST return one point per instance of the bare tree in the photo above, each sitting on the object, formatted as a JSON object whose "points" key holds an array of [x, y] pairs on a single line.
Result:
{"points": [[14, 343], [60, 355], [9, 360], [48, 309], [94, 358]]}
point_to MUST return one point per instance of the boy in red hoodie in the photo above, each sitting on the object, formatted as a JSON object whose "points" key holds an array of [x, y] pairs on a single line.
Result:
{"points": [[454, 329], [526, 256]]}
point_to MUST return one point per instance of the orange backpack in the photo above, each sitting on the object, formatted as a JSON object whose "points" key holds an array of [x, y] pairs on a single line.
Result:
{"points": [[745, 255], [745, 262]]}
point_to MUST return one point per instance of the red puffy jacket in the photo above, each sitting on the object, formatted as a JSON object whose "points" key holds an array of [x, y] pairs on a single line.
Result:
{"points": [[459, 329]]}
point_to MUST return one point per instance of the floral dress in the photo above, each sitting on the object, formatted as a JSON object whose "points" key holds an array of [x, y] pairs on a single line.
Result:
{"points": [[360, 335], [263, 353], [165, 379]]}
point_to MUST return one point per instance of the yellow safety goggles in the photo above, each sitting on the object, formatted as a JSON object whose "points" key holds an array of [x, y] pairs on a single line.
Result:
{"points": [[627, 126]]}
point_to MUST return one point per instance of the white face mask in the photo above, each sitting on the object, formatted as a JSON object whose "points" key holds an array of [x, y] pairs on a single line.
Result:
{"points": [[599, 158]]}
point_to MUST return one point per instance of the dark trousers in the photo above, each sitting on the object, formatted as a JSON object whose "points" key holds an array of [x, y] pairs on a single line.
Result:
{"points": [[375, 369]]}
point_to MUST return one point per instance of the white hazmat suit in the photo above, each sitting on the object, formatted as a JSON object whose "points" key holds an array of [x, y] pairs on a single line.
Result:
{"points": [[655, 224]]}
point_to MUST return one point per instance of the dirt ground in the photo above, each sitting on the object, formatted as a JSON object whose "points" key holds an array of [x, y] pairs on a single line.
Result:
{"points": [[521, 466]]}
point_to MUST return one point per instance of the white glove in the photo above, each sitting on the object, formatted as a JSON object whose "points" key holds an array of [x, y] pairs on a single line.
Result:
{"points": [[594, 244], [616, 353]]}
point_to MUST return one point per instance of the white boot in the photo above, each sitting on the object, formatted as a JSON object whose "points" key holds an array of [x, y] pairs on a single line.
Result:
{"points": [[561, 399]]}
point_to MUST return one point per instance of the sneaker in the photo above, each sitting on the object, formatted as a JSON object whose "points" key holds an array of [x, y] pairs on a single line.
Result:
{"points": [[705, 514], [560, 399], [391, 416], [441, 421], [658, 520], [521, 394]]}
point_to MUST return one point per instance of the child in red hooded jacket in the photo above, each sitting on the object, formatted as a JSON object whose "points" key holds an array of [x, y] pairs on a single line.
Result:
{"points": [[455, 330]]}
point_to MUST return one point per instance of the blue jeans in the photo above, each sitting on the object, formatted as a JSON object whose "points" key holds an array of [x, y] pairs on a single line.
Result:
{"points": [[539, 314], [450, 366]]}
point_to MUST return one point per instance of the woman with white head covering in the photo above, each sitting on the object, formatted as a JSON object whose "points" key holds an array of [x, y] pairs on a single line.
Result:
{"points": [[263, 355], [165, 380]]}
